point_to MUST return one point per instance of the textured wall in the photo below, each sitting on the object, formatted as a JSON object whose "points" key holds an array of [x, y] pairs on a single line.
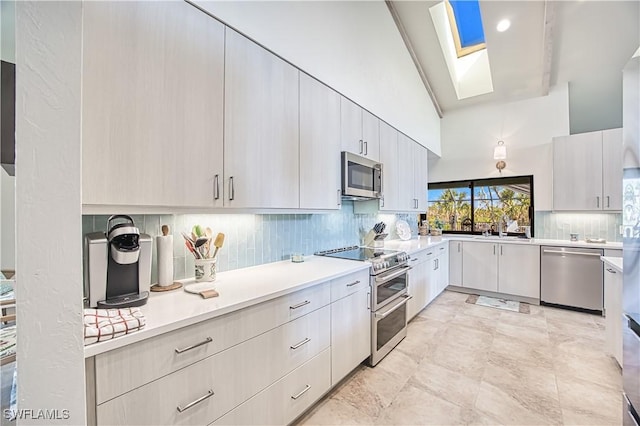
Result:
{"points": [[254, 239], [50, 354]]}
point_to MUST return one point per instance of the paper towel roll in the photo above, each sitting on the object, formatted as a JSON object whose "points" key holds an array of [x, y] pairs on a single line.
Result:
{"points": [[165, 260]]}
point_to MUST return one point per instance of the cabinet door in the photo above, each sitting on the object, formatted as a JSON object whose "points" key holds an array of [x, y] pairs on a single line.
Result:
{"points": [[406, 194], [443, 267], [420, 177], [350, 333], [577, 172], [519, 270], [612, 169], [152, 104], [391, 167], [261, 127], [371, 135], [455, 263], [319, 145], [480, 266], [351, 126]]}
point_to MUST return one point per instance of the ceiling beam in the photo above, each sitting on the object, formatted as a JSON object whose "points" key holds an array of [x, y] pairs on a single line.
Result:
{"points": [[414, 57], [547, 44]]}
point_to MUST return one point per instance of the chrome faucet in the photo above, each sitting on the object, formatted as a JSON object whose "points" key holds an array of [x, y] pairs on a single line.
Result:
{"points": [[502, 223]]}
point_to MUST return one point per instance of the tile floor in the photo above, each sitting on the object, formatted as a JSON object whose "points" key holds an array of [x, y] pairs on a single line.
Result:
{"points": [[476, 365]]}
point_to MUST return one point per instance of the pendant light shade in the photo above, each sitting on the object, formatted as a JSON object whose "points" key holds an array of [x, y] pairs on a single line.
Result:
{"points": [[500, 151]]}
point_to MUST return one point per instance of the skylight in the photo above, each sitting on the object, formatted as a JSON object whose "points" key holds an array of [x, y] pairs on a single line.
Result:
{"points": [[458, 24], [466, 26]]}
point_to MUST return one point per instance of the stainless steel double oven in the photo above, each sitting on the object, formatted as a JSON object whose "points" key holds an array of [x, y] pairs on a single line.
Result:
{"points": [[389, 283], [388, 310]]}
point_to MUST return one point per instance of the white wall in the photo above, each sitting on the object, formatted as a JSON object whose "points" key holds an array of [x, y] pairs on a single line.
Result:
{"points": [[50, 350], [526, 127], [352, 46], [7, 221]]}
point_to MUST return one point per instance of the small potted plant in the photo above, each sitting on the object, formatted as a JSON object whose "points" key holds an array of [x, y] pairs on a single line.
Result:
{"points": [[436, 231]]}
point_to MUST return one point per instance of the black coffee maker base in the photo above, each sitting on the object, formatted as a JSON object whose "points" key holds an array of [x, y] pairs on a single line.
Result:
{"points": [[128, 301]]}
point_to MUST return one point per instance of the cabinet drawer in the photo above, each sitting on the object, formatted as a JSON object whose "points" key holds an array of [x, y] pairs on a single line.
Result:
{"points": [[304, 301], [129, 367], [423, 256], [276, 405], [349, 284], [233, 375]]}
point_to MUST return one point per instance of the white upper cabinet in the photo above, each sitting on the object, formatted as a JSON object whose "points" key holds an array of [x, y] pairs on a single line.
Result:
{"points": [[587, 171], [612, 169], [420, 177], [261, 155], [152, 105], [360, 130], [319, 145], [411, 175], [390, 168]]}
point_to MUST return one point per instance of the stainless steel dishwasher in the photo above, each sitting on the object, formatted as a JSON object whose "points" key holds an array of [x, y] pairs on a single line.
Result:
{"points": [[572, 277]]}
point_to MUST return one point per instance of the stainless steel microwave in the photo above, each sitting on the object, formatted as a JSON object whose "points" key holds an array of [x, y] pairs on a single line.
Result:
{"points": [[361, 177]]}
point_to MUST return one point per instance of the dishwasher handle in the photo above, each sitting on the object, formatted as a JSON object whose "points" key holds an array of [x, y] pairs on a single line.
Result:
{"points": [[579, 253]]}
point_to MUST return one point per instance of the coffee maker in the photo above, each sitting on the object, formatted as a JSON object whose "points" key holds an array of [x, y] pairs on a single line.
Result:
{"points": [[117, 265]]}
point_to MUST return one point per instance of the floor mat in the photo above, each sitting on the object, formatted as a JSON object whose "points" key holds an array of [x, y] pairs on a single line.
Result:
{"points": [[504, 304]]}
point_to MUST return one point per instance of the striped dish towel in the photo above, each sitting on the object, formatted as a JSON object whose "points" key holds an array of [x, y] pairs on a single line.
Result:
{"points": [[107, 324]]}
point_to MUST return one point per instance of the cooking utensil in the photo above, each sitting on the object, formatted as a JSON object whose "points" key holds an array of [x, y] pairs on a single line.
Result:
{"points": [[190, 247], [187, 237], [218, 242]]}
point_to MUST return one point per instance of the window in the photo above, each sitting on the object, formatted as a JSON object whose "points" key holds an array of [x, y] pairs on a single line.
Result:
{"points": [[466, 26], [476, 206]]}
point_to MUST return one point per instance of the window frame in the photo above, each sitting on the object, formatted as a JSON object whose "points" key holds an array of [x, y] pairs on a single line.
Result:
{"points": [[472, 184]]}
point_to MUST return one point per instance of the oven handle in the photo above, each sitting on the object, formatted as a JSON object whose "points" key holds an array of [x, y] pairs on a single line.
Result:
{"points": [[383, 278], [405, 299]]}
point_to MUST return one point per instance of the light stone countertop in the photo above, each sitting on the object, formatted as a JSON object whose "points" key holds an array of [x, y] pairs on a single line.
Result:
{"points": [[239, 288], [614, 262], [420, 243]]}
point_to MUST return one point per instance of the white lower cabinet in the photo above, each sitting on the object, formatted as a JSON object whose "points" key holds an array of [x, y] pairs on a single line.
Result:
{"points": [[206, 390], [613, 312], [440, 270], [480, 266], [265, 364], [350, 333], [419, 282], [286, 399], [501, 268], [455, 263]]}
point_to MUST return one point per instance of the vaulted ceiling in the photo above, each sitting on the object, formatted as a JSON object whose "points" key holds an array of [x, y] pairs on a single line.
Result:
{"points": [[583, 43]]}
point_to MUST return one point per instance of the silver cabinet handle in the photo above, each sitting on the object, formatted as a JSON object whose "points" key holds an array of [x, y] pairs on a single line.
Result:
{"points": [[572, 252], [611, 270], [404, 300], [429, 254], [500, 250], [608, 201], [458, 247], [494, 249], [597, 201], [302, 392], [188, 348], [232, 193], [366, 148], [339, 197], [297, 345], [368, 300], [209, 394], [361, 146], [382, 201], [216, 187], [414, 259], [441, 248], [353, 283], [300, 305]]}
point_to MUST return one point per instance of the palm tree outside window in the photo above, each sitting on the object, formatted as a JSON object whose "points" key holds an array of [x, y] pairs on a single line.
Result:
{"points": [[482, 205]]}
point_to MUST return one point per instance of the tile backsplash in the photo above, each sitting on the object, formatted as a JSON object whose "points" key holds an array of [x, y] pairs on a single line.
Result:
{"points": [[588, 225], [254, 239]]}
